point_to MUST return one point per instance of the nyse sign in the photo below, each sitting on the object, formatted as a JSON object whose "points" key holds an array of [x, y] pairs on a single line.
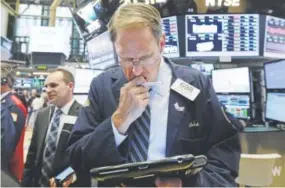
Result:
{"points": [[219, 3]]}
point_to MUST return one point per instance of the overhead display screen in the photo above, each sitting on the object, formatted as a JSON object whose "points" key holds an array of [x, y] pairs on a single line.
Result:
{"points": [[231, 80], [237, 105], [274, 42], [88, 20], [275, 75], [169, 26], [275, 106], [101, 51], [23, 83], [222, 35]]}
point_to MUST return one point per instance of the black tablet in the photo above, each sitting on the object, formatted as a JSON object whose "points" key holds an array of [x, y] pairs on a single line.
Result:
{"points": [[187, 164]]}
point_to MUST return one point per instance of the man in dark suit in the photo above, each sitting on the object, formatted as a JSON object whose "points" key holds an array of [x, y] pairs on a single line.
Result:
{"points": [[46, 157], [129, 118], [19, 112]]}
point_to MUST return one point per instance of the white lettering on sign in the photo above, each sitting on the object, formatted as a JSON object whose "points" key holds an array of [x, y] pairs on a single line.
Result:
{"points": [[219, 3], [276, 171]]}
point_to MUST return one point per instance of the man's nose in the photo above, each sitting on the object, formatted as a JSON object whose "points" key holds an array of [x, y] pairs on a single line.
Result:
{"points": [[137, 69]]}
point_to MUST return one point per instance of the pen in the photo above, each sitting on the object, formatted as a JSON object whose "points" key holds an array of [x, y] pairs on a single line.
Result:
{"points": [[150, 84]]}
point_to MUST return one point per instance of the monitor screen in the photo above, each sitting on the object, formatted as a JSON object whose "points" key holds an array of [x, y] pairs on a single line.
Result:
{"points": [[275, 106], [81, 98], [206, 69], [87, 19], [222, 35], [234, 80], [83, 79], [274, 42], [23, 83], [275, 75], [237, 105], [101, 51], [171, 48]]}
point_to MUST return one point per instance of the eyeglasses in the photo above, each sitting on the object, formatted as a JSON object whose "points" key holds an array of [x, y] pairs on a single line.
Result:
{"points": [[150, 60]]}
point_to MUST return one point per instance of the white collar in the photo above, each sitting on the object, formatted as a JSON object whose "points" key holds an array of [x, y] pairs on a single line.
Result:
{"points": [[65, 109]]}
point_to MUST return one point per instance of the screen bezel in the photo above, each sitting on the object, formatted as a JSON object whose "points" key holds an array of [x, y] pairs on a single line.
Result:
{"points": [[265, 80], [239, 94], [249, 79], [265, 112], [257, 53]]}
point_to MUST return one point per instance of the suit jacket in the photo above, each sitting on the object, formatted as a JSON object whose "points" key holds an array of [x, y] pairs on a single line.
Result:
{"points": [[92, 142], [17, 107], [32, 171]]}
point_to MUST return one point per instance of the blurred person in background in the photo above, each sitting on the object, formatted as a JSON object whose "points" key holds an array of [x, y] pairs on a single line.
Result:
{"points": [[38, 103], [26, 95], [46, 157], [34, 95], [19, 112]]}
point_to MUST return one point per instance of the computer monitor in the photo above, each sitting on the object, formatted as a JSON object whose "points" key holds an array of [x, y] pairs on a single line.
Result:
{"points": [[222, 35], [81, 98], [23, 83], [237, 105], [101, 51], [274, 42], [235, 80], [206, 69], [88, 19], [169, 26], [275, 74], [83, 79], [275, 105]]}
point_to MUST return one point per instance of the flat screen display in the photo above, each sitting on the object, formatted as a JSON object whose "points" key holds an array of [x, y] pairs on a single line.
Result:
{"points": [[87, 18], [83, 79], [237, 105], [222, 35], [206, 69], [234, 80], [101, 51], [23, 83], [275, 75], [81, 98], [274, 42], [169, 26], [275, 105]]}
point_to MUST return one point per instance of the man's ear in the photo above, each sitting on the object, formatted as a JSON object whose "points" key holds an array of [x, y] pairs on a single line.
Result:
{"points": [[71, 85], [162, 42]]}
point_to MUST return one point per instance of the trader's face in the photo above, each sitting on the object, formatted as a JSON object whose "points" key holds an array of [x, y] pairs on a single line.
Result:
{"points": [[58, 91], [139, 52]]}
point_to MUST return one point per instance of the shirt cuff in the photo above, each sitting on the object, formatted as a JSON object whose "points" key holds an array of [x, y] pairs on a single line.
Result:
{"points": [[119, 138]]}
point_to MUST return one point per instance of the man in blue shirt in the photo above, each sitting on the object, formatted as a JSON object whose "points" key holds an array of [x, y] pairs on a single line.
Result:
{"points": [[127, 119]]}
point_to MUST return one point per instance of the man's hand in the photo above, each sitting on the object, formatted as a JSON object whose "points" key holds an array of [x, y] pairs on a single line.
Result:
{"points": [[168, 182], [133, 101], [71, 179]]}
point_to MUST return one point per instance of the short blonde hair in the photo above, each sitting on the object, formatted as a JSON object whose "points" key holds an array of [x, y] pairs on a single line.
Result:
{"points": [[135, 15]]}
